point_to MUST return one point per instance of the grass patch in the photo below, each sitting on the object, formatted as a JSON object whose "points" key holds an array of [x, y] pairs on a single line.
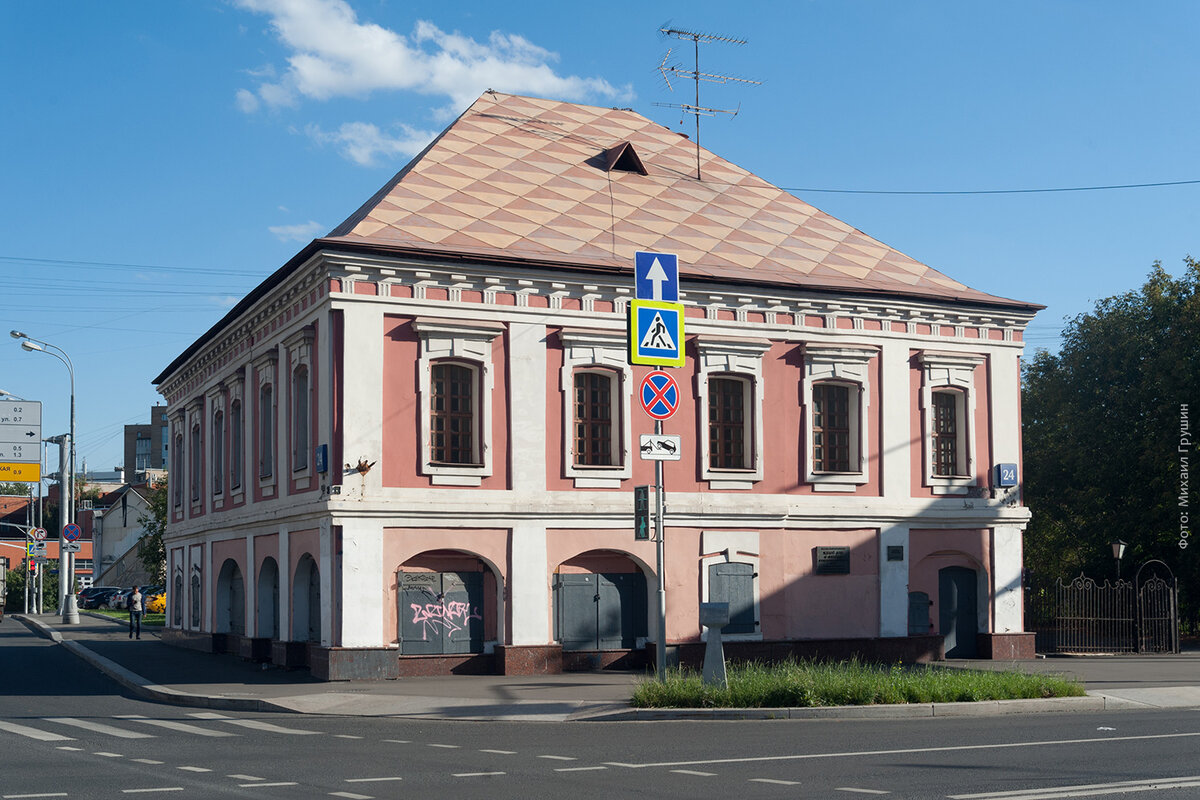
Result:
{"points": [[797, 684], [148, 619]]}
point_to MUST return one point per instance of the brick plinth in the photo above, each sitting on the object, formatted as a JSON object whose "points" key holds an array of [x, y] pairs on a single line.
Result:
{"points": [[529, 660]]}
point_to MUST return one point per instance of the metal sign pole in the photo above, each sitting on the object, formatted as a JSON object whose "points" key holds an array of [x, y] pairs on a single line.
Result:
{"points": [[661, 650]]}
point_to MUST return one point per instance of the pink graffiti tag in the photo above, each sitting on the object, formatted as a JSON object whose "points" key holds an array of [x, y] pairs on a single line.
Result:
{"points": [[451, 616]]}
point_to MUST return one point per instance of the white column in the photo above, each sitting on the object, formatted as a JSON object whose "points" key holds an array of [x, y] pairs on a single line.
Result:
{"points": [[893, 582], [207, 589], [326, 562], [1006, 577], [250, 589], [527, 387], [896, 404], [285, 587], [1004, 377], [362, 404], [362, 582], [529, 585]]}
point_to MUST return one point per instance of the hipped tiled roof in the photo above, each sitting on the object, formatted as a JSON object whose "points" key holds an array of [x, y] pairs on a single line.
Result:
{"points": [[540, 180]]}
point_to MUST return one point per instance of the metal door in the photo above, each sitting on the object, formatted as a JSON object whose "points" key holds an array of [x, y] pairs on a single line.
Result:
{"points": [[918, 614], [440, 612], [734, 584], [600, 611], [958, 618]]}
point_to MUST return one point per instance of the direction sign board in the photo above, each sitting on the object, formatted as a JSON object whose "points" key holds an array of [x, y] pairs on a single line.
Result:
{"points": [[71, 531], [661, 447], [659, 395], [37, 548], [656, 276], [655, 333], [20, 440]]}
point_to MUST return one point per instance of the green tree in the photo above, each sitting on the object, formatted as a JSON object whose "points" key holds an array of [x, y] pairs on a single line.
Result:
{"points": [[151, 551], [1102, 423]]}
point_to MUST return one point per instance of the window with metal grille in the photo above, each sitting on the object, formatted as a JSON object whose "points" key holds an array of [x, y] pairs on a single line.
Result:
{"points": [[593, 419], [727, 423], [831, 427], [946, 431], [266, 432], [452, 415]]}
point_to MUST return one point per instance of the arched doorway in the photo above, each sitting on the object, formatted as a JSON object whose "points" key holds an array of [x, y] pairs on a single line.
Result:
{"points": [[958, 610], [306, 601], [446, 603], [231, 599], [267, 598], [600, 602]]}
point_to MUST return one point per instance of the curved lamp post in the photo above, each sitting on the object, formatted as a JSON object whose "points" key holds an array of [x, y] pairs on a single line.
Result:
{"points": [[67, 581]]}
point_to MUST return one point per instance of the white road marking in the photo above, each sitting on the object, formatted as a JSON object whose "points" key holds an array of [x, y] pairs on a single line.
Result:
{"points": [[68, 747], [860, 791], [398, 741], [99, 727], [577, 769], [501, 752], [1086, 790], [372, 780], [33, 733], [194, 769], [694, 772], [245, 778], [445, 746], [253, 785], [560, 758], [145, 761], [155, 789], [475, 774], [903, 751], [775, 782], [23, 796], [109, 755], [345, 736], [352, 795], [182, 727], [253, 724]]}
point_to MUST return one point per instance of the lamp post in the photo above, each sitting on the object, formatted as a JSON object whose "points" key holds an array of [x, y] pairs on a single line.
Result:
{"points": [[67, 581], [1118, 550]]}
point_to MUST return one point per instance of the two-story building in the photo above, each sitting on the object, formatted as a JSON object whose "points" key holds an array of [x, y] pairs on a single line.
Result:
{"points": [[413, 448]]}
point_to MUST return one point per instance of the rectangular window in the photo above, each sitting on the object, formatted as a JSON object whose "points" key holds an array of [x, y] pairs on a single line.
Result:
{"points": [[176, 475], [236, 448], [945, 433], [300, 419], [452, 415], [266, 412], [593, 419], [831, 427], [195, 463], [727, 423]]}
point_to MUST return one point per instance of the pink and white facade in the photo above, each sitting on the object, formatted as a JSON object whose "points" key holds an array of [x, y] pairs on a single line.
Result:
{"points": [[413, 448]]}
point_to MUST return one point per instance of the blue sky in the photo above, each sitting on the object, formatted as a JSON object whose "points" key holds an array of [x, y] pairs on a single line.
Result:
{"points": [[159, 159]]}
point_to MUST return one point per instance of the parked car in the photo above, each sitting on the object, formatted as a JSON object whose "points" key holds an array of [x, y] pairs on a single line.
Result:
{"points": [[118, 599], [96, 596]]}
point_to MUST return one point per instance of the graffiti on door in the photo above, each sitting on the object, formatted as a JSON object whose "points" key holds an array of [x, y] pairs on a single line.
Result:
{"points": [[443, 616]]}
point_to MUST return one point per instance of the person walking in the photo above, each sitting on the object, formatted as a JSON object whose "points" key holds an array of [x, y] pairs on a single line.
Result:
{"points": [[135, 613]]}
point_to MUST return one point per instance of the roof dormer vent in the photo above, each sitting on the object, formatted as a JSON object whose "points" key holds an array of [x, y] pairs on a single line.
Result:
{"points": [[623, 157]]}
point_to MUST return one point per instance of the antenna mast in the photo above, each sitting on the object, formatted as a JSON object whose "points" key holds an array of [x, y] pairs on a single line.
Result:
{"points": [[696, 75]]}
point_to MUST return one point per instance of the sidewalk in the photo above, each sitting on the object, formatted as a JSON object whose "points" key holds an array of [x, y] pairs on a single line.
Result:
{"points": [[160, 672]]}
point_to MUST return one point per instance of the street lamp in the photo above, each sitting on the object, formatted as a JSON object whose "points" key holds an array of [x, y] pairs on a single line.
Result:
{"points": [[66, 594], [13, 396], [1118, 548]]}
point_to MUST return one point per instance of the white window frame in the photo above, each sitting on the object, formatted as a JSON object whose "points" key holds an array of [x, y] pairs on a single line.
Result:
{"points": [[299, 348], [847, 366], [470, 344], [587, 350], [953, 371], [734, 358], [727, 547]]}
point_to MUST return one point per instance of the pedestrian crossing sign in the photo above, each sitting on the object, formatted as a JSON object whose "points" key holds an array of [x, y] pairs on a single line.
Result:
{"points": [[656, 333]]}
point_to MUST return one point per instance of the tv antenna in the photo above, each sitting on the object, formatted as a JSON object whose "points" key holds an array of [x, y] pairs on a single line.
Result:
{"points": [[677, 71]]}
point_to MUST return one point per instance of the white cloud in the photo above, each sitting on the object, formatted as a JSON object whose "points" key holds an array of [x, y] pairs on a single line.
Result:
{"points": [[362, 142], [299, 233], [247, 101], [333, 54], [224, 301]]}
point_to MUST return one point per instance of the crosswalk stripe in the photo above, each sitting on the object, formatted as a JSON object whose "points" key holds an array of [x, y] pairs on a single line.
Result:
{"points": [[253, 724], [99, 727], [33, 733], [182, 727]]}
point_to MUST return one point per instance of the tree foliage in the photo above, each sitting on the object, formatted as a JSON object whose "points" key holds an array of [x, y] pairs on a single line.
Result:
{"points": [[151, 551], [1101, 423]]}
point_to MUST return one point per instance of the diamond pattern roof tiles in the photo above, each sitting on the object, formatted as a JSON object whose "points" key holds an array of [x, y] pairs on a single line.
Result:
{"points": [[522, 176]]}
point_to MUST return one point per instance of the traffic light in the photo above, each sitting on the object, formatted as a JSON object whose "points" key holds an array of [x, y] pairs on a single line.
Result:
{"points": [[33, 568], [641, 512]]}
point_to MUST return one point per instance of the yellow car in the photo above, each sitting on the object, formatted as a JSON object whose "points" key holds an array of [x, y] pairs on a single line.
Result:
{"points": [[157, 603]]}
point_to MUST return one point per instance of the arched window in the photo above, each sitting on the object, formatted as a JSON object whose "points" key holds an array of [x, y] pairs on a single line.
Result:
{"points": [[266, 431], [176, 476], [196, 460], [300, 419], [237, 446], [218, 452]]}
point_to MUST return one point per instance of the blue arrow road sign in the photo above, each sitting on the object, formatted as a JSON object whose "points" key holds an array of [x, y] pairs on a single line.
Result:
{"points": [[656, 276]]}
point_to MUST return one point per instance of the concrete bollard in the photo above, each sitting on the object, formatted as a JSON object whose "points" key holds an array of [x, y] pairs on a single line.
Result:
{"points": [[714, 616]]}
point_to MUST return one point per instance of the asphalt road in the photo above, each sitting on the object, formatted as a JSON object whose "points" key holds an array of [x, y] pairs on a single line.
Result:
{"points": [[68, 732]]}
